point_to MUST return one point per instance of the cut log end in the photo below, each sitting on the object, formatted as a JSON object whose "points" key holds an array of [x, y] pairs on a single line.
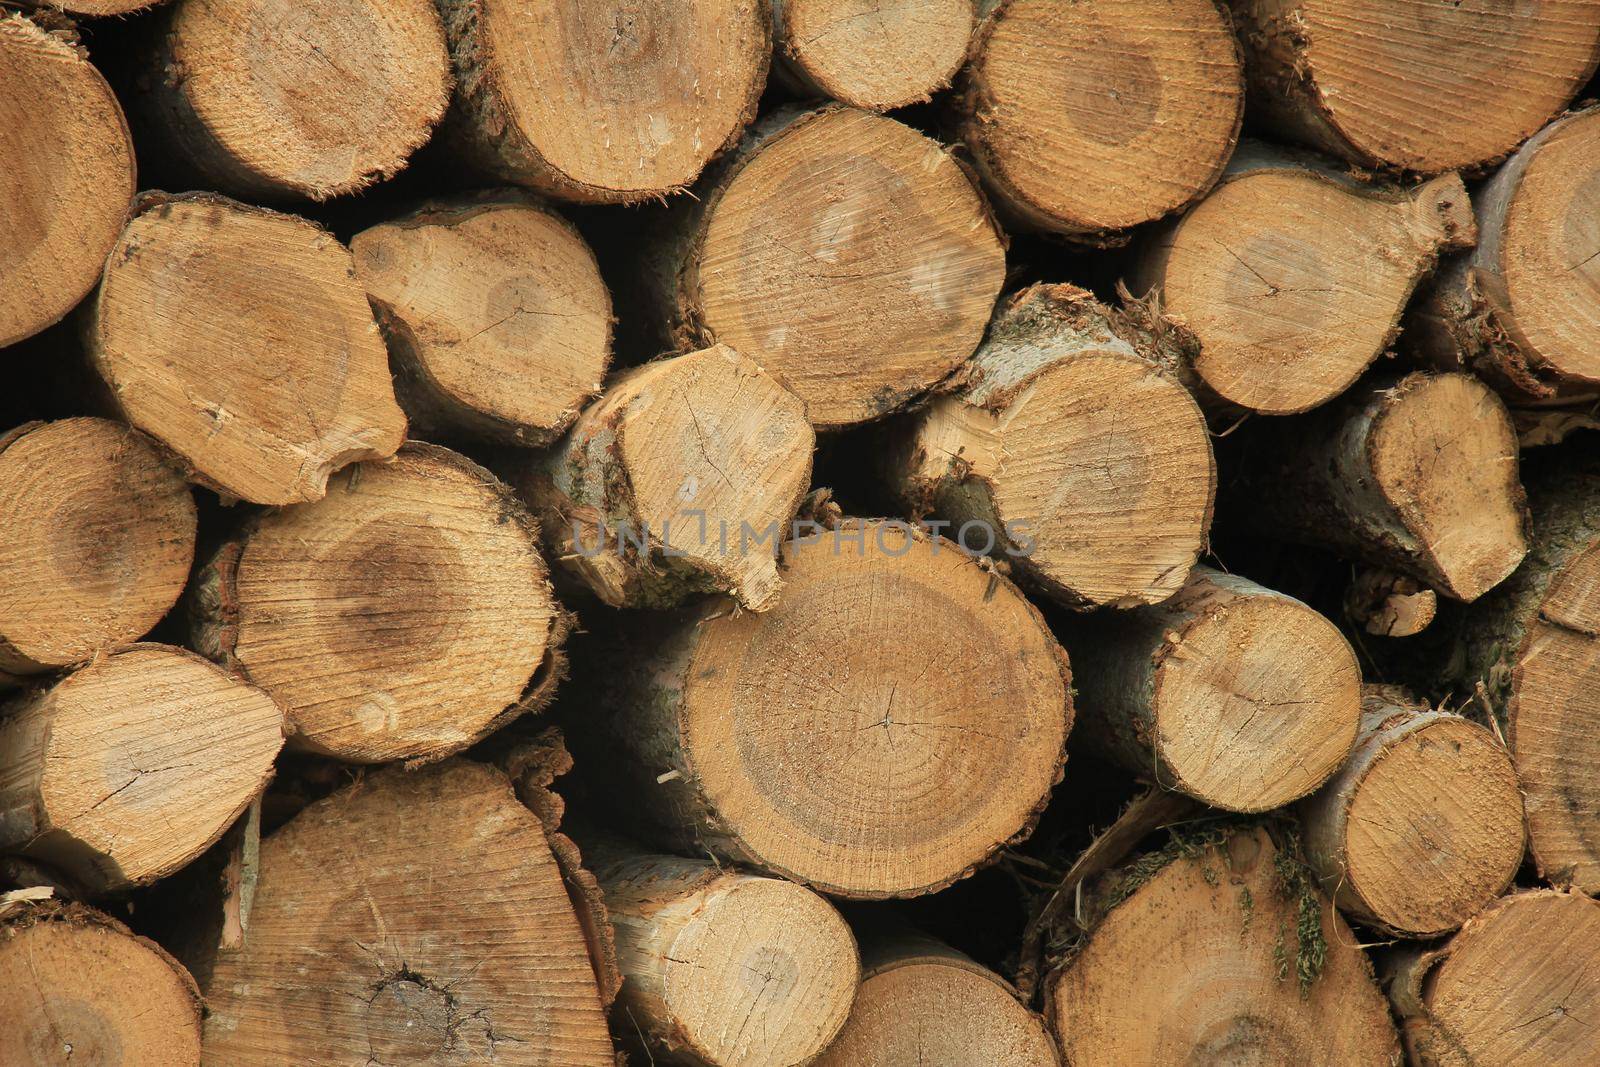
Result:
{"points": [[1294, 279], [86, 990], [1092, 465], [1389, 605], [1256, 700], [1423, 827], [704, 458], [240, 338], [401, 617], [1254, 968], [1514, 987], [1086, 120], [871, 55], [1443, 453], [66, 176], [241, 112], [147, 737], [416, 917], [96, 537], [851, 257], [498, 322], [1443, 87], [935, 1008], [605, 102]]}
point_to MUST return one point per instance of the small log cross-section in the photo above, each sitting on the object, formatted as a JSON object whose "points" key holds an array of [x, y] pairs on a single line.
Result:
{"points": [[276, 99], [923, 1004], [1234, 694], [1515, 988], [1417, 85], [867, 53], [1088, 464], [1088, 118], [241, 339], [404, 616], [1417, 474], [1293, 275], [129, 768], [1522, 309], [845, 252], [66, 176], [682, 479], [895, 719], [96, 538], [415, 917], [604, 101], [1422, 827], [82, 989], [723, 969], [1223, 955], [1388, 604], [498, 323], [1530, 653]]}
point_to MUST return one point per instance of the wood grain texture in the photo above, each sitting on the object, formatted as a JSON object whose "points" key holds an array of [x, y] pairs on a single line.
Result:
{"points": [[97, 534], [846, 253], [1230, 692], [404, 616], [882, 731], [83, 989], [497, 319], [240, 338], [1088, 118], [604, 102], [130, 767], [1066, 438], [681, 480], [1221, 988], [275, 100], [1293, 275], [66, 176], [1419, 85], [872, 54], [417, 916]]}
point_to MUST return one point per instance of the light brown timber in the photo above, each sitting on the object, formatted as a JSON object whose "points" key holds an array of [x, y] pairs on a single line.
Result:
{"points": [[870, 53]]}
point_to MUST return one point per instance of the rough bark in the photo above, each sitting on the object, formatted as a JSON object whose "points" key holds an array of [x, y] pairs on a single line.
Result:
{"points": [[1420, 85], [96, 537], [404, 616], [82, 988], [1254, 966], [1087, 463], [1414, 473], [603, 102], [1520, 309], [417, 916], [1293, 274], [869, 54], [922, 1002], [66, 175], [1088, 118], [681, 480], [130, 767], [846, 253], [1514, 988], [1423, 827], [275, 100], [1232, 693], [240, 339], [895, 676], [723, 968]]}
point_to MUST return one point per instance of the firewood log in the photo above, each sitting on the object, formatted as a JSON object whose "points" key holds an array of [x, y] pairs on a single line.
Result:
{"points": [[403, 616], [1088, 118], [66, 175], [869, 54], [240, 339]]}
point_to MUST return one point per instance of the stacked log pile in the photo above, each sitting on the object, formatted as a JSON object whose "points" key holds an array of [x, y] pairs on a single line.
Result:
{"points": [[586, 532]]}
